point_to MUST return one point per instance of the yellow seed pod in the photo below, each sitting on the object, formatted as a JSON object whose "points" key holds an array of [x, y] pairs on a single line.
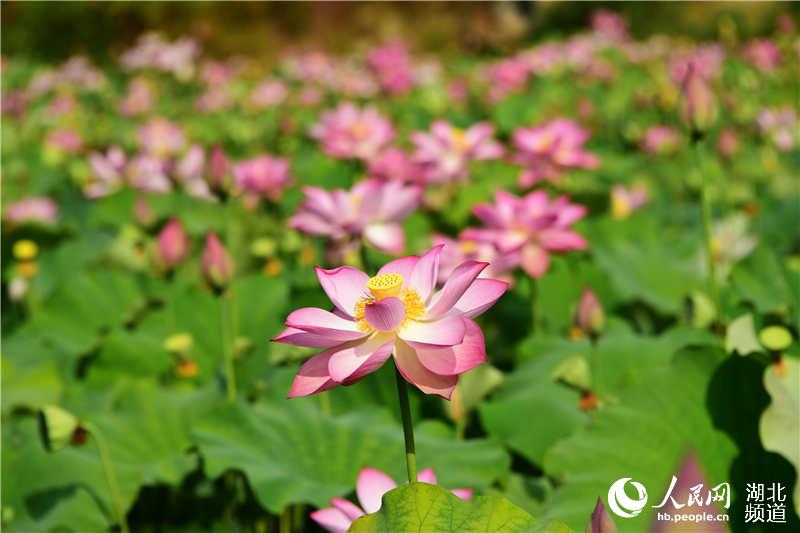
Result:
{"points": [[25, 250], [385, 285]]}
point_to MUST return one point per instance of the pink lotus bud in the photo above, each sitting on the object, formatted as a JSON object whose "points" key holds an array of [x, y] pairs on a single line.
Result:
{"points": [[589, 316], [698, 106], [219, 169], [600, 521], [173, 244], [216, 264], [728, 143], [142, 212]]}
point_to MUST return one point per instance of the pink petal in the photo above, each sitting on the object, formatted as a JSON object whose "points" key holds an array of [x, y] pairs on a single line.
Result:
{"points": [[535, 260], [313, 376], [456, 359], [446, 331], [386, 314], [427, 476], [371, 486], [464, 494], [350, 358], [298, 337], [480, 296], [423, 277], [344, 286], [403, 266], [324, 323], [455, 286], [412, 370], [350, 510], [332, 519], [388, 238], [562, 241]]}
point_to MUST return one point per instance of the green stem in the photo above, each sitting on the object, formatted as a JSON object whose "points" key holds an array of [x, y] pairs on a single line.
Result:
{"points": [[362, 251], [705, 201], [111, 478], [285, 520], [408, 427], [534, 311], [325, 403], [228, 337]]}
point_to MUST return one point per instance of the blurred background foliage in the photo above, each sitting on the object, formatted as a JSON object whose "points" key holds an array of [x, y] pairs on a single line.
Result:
{"points": [[56, 30]]}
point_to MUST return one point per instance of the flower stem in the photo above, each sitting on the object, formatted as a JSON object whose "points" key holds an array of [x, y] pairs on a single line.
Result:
{"points": [[534, 299], [408, 427], [227, 345], [705, 202], [111, 478]]}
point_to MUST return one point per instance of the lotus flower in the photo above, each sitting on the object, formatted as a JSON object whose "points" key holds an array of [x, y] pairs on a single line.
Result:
{"points": [[269, 93], [625, 201], [698, 107], [780, 124], [372, 484], [507, 76], [397, 312], [190, 171], [446, 151], [350, 132], [456, 251], [763, 54], [107, 172], [528, 229], [39, 209], [216, 263], [589, 316], [371, 210], [148, 173], [172, 245], [160, 137], [65, 139], [704, 60], [550, 149], [139, 100], [264, 176], [392, 66], [661, 140]]}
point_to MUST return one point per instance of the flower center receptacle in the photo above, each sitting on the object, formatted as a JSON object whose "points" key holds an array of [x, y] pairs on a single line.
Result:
{"points": [[385, 285]]}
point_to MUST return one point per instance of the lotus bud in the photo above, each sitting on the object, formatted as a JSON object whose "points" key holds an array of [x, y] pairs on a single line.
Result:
{"points": [[600, 521], [589, 316], [143, 213], [173, 245], [698, 106], [58, 428], [219, 169], [216, 264]]}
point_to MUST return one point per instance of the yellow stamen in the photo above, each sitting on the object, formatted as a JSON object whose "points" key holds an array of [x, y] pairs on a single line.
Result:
{"points": [[460, 140], [385, 285]]}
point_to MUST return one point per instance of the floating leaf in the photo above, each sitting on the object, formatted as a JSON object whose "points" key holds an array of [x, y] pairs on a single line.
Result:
{"points": [[740, 336], [429, 508]]}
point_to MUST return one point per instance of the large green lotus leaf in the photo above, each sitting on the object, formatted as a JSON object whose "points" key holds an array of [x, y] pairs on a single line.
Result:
{"points": [[30, 386], [619, 360], [645, 436], [74, 317], [780, 423], [67, 490], [762, 280], [292, 453], [647, 261], [429, 508]]}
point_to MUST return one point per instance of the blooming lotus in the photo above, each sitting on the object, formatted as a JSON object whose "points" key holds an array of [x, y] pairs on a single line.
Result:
{"points": [[446, 151], [780, 124], [264, 176], [456, 251], [148, 173], [66, 140], [529, 228], [107, 172], [160, 137], [396, 313], [661, 140], [350, 132], [625, 201], [372, 484], [550, 149], [37, 209], [507, 76], [139, 99], [269, 93], [392, 66], [190, 172], [371, 210], [704, 61], [763, 54]]}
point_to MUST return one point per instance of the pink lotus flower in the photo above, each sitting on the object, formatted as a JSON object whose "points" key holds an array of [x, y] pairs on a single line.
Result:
{"points": [[262, 177], [780, 124], [140, 98], [698, 106], [269, 93], [152, 51], [550, 149], [661, 140], [172, 245], [589, 316], [728, 143], [705, 61], [161, 138], [216, 263], [348, 131], [625, 201], [372, 484], [218, 169], [507, 76], [65, 139], [148, 173], [38, 209], [446, 151], [609, 24], [190, 172], [430, 334], [392, 66], [107, 172], [393, 164], [763, 54], [528, 229], [371, 210]]}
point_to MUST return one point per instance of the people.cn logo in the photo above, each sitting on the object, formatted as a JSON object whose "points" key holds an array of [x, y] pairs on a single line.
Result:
{"points": [[621, 504]]}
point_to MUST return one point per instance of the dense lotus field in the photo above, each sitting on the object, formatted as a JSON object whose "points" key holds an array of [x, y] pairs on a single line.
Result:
{"points": [[230, 289]]}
